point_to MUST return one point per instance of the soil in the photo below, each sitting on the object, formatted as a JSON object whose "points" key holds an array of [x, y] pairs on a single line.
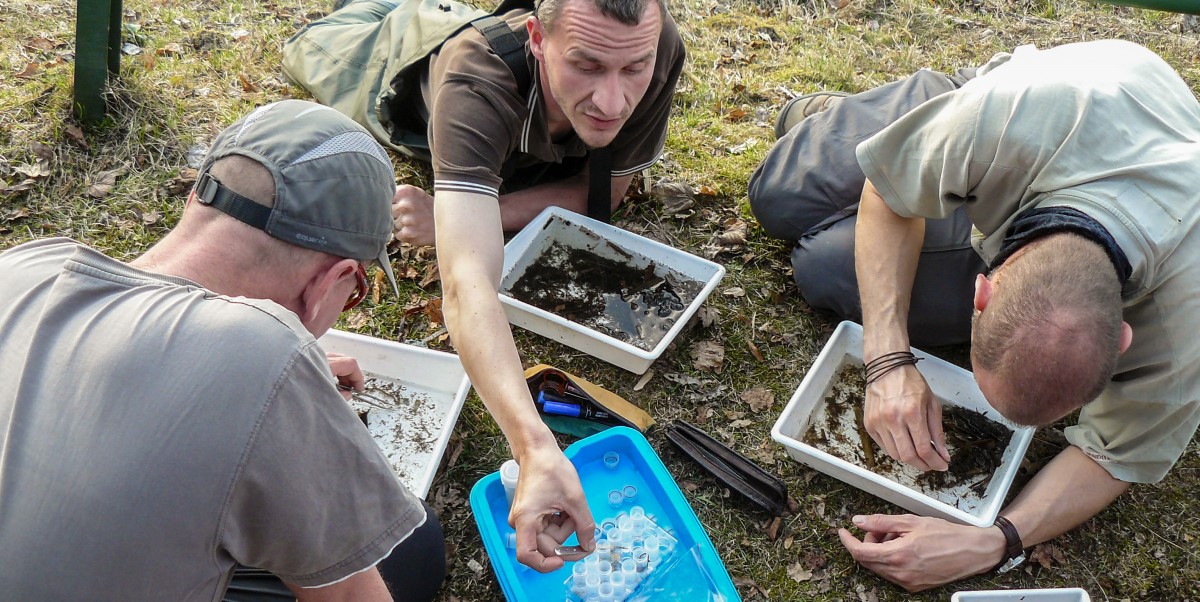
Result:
{"points": [[405, 424], [636, 306], [975, 442]]}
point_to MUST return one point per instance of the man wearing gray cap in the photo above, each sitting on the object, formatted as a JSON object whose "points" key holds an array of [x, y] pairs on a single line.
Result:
{"points": [[167, 421]]}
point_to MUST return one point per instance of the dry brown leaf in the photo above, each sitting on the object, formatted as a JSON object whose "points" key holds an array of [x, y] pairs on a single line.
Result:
{"points": [[734, 291], [734, 234], [798, 573], [36, 170], [172, 49], [706, 190], [760, 399], [15, 214], [431, 275], [40, 44], [736, 115], [75, 133], [103, 183], [22, 186], [433, 311], [247, 85], [356, 319], [1046, 554], [773, 528], [675, 196], [690, 486], [183, 182], [377, 288], [788, 541], [708, 356], [43, 151], [743, 423], [30, 70], [151, 217], [641, 383], [708, 316], [755, 352]]}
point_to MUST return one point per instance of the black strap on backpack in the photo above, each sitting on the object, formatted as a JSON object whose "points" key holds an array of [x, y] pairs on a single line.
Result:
{"points": [[509, 45]]}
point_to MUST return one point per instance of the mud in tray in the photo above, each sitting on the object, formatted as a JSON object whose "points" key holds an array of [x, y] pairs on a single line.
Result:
{"points": [[414, 399], [820, 427], [609, 293]]}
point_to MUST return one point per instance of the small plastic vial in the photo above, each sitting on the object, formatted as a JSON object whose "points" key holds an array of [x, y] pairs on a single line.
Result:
{"points": [[630, 492], [592, 584], [606, 592], [579, 574], [615, 499], [509, 472], [510, 541], [611, 460], [617, 580]]}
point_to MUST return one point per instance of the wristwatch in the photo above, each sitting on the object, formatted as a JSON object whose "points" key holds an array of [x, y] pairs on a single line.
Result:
{"points": [[1014, 551]]}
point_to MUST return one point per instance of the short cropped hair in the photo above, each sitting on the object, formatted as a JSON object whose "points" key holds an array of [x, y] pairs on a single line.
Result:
{"points": [[1051, 331], [628, 12]]}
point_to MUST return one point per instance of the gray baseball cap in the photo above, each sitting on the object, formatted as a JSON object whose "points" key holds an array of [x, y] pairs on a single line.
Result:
{"points": [[333, 182]]}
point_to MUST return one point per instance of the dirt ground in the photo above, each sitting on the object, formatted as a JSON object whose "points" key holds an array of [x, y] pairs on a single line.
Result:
{"points": [[193, 66]]}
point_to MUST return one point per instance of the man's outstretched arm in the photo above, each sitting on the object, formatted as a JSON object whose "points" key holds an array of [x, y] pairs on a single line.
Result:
{"points": [[412, 208], [899, 413], [470, 254], [919, 552]]}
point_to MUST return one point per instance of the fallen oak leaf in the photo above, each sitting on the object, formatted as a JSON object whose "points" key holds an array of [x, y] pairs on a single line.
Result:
{"points": [[42, 44], [798, 573], [760, 399], [708, 356], [172, 49], [103, 183], [30, 70]]}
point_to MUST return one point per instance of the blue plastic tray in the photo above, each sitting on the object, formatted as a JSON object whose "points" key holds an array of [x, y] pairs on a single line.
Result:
{"points": [[657, 493]]}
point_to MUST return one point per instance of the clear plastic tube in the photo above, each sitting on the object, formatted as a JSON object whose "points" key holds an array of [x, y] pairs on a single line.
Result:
{"points": [[611, 460], [630, 492], [592, 584], [579, 574], [615, 499], [509, 473]]}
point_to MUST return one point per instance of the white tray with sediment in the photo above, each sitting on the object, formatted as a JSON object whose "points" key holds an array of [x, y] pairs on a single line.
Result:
{"points": [[610, 293], [819, 427], [414, 396]]}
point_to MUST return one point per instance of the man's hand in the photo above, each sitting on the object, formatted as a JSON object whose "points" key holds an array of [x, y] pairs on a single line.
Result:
{"points": [[345, 369], [412, 215], [548, 507], [918, 552], [905, 420]]}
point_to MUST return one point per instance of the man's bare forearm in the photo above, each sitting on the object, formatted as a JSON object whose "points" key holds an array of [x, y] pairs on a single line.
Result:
{"points": [[886, 250], [1071, 489], [470, 258]]}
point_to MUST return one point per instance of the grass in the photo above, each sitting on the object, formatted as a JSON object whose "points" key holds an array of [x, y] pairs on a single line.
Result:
{"points": [[204, 63]]}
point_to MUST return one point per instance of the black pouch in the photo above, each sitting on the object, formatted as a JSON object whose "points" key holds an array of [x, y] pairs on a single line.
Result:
{"points": [[729, 467]]}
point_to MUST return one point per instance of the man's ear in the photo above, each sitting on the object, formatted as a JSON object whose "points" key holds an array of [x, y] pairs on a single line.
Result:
{"points": [[316, 292], [983, 291], [537, 38], [1126, 336]]}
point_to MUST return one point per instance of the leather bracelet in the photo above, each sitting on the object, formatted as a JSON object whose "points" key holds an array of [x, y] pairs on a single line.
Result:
{"points": [[1013, 548]]}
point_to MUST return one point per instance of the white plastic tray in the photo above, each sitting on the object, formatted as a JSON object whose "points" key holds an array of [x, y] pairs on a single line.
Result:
{"points": [[556, 224], [436, 378], [1072, 594], [949, 383]]}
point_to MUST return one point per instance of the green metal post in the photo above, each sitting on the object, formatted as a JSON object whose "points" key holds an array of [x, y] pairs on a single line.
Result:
{"points": [[1177, 6], [97, 52]]}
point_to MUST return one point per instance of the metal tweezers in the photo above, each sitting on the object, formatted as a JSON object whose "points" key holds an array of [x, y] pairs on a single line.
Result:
{"points": [[367, 398]]}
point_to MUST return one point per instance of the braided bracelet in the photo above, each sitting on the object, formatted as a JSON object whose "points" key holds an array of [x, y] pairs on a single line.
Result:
{"points": [[880, 366]]}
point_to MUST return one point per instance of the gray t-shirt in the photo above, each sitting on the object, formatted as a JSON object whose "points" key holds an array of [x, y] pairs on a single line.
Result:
{"points": [[154, 433], [1106, 128]]}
